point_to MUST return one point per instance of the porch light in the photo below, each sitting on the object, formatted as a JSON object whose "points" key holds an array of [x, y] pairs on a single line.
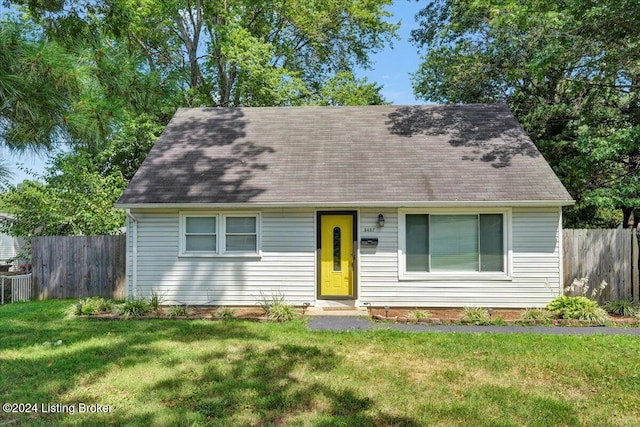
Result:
{"points": [[381, 220]]}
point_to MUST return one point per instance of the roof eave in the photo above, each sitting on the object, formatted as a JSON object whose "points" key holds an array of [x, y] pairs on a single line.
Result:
{"points": [[351, 204]]}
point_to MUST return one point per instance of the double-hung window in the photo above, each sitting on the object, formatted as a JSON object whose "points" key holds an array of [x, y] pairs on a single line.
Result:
{"points": [[446, 244], [213, 234]]}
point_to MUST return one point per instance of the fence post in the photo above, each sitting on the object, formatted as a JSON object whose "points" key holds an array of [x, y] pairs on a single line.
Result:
{"points": [[635, 272]]}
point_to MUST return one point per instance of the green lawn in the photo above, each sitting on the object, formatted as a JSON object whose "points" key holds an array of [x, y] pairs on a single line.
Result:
{"points": [[239, 373]]}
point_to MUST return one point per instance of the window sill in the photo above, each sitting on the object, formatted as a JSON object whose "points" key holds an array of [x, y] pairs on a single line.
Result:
{"points": [[228, 255], [478, 277]]}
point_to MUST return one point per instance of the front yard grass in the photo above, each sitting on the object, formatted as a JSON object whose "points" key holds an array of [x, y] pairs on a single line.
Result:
{"points": [[239, 373]]}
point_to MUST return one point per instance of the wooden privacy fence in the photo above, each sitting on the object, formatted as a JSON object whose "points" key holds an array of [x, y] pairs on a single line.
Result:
{"points": [[609, 255], [78, 266]]}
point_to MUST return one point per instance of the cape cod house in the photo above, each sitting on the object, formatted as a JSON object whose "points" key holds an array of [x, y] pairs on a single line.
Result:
{"points": [[416, 206]]}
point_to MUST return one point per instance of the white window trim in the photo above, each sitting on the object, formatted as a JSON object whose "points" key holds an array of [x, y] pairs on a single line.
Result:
{"points": [[455, 275], [220, 235]]}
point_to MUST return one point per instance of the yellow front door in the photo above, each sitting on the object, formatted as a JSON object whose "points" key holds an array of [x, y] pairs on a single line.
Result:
{"points": [[337, 256]]}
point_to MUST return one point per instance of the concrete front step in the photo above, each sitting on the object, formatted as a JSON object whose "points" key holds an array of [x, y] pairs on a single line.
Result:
{"points": [[336, 311]]}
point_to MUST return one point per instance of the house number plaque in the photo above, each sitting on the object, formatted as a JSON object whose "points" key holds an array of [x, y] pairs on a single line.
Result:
{"points": [[369, 230]]}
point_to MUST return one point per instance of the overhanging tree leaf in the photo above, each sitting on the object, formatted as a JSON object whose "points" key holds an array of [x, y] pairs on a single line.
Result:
{"points": [[571, 73]]}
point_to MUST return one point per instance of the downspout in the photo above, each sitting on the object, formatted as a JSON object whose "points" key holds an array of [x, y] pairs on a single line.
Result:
{"points": [[560, 252], [132, 245]]}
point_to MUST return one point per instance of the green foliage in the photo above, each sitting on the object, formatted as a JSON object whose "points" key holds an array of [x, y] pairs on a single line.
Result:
{"points": [[73, 198], [539, 314], [38, 81], [235, 52], [5, 175], [134, 307], [91, 305], [477, 315], [577, 308], [178, 311], [223, 313], [570, 73], [621, 307], [275, 307], [154, 300], [416, 315], [345, 89], [282, 312]]}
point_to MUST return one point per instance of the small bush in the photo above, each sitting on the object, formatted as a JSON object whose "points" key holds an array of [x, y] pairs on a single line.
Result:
{"points": [[282, 312], [223, 313], [178, 311], [596, 315], [577, 308], [92, 305], [476, 315], [154, 301], [622, 308], [134, 307], [267, 301], [537, 314], [416, 315], [275, 307]]}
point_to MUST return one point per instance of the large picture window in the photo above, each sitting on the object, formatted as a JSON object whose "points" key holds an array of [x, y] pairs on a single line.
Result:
{"points": [[219, 234], [446, 243]]}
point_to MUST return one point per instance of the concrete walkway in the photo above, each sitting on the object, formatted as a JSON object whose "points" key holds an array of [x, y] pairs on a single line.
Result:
{"points": [[345, 323]]}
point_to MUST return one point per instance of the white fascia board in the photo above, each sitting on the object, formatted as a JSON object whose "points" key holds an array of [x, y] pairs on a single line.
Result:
{"points": [[372, 204]]}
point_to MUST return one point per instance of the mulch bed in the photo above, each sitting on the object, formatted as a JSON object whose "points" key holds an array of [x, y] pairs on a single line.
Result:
{"points": [[438, 316], [614, 320]]}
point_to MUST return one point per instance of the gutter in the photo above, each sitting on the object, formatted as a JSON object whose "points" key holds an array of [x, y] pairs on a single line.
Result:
{"points": [[364, 204]]}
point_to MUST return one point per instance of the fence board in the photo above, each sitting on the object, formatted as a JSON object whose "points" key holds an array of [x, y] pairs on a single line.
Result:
{"points": [[78, 266], [599, 255]]}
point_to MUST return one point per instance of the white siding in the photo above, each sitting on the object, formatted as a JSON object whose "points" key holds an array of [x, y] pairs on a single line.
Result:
{"points": [[287, 264], [533, 282], [10, 248]]}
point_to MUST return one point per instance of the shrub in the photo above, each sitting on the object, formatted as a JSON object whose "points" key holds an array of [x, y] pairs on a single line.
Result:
{"points": [[537, 314], [92, 305], [577, 308], [223, 313], [154, 301], [594, 314], [476, 315], [282, 312], [622, 307], [178, 311], [275, 307], [416, 315], [134, 307]]}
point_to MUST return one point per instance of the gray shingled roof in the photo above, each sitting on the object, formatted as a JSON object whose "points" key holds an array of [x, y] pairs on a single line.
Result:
{"points": [[337, 155]]}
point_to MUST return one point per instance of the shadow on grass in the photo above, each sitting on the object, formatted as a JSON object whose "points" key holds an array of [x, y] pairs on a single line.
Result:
{"points": [[276, 386]]}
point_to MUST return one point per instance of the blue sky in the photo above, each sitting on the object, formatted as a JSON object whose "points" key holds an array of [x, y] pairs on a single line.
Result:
{"points": [[391, 68]]}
